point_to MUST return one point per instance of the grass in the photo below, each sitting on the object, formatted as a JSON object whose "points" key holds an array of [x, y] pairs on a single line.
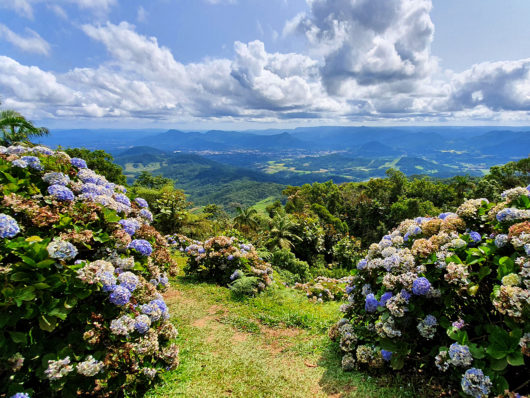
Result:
{"points": [[272, 345]]}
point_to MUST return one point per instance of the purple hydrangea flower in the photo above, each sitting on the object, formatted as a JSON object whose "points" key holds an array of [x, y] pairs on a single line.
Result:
{"points": [[443, 216], [430, 320], [142, 323], [120, 296], [458, 324], [19, 163], [141, 202], [406, 237], [130, 226], [230, 257], [78, 162], [349, 289], [108, 280], [474, 383], [387, 355], [144, 213], [501, 240], [60, 192], [406, 295], [371, 303], [385, 297], [33, 162], [421, 286], [506, 214], [56, 178], [21, 395], [201, 250], [8, 226], [141, 246], [236, 275]]}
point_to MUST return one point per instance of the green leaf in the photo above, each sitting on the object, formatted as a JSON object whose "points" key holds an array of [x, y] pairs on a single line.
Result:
{"points": [[47, 323], [20, 277], [516, 359], [61, 313], [25, 294], [41, 285], [476, 351], [397, 362], [18, 337], [110, 216], [499, 364], [45, 263], [483, 272], [28, 260]]}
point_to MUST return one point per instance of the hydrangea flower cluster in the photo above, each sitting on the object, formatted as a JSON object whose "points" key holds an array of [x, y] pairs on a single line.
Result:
{"points": [[323, 288], [219, 257], [91, 269], [424, 280]]}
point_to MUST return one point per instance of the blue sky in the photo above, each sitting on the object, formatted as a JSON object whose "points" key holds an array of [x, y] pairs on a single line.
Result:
{"points": [[265, 63]]}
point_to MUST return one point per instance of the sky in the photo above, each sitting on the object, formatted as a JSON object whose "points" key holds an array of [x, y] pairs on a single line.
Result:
{"points": [[265, 63]]}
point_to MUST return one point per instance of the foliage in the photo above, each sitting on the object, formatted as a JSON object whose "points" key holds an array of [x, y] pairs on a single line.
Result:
{"points": [[16, 128], [245, 286], [280, 234], [101, 162], [291, 269], [223, 260], [347, 252], [81, 304], [449, 292]]}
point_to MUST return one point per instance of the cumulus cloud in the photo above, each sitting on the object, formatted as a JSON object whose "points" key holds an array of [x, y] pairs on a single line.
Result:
{"points": [[25, 7], [368, 41], [32, 43]]}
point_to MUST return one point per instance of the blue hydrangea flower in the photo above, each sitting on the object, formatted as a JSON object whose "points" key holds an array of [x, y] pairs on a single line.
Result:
{"points": [[120, 296], [385, 297], [474, 383], [349, 289], [236, 275], [8, 226], [406, 295], [128, 280], [475, 236], [362, 264], [406, 237], [230, 257], [201, 250], [130, 226], [56, 178], [61, 250], [141, 246], [121, 198], [78, 162], [19, 163], [430, 320], [371, 303], [21, 395], [443, 216], [142, 323], [108, 280], [421, 286], [460, 355], [141, 202], [33, 162], [506, 214], [60, 192], [501, 240], [387, 355], [144, 213]]}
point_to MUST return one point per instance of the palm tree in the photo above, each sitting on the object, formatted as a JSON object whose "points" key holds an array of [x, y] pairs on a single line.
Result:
{"points": [[246, 219], [280, 234], [15, 128]]}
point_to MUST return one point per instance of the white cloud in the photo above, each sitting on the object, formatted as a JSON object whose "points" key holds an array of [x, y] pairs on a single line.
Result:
{"points": [[25, 7], [21, 7], [141, 14], [58, 10], [32, 43]]}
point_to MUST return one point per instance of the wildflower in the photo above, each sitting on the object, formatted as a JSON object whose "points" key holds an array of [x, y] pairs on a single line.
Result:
{"points": [[58, 369], [61, 250], [474, 383], [128, 280], [89, 367], [78, 162], [460, 355], [8, 226], [141, 202], [421, 286], [141, 246], [142, 323], [120, 296], [387, 355], [60, 192], [371, 303]]}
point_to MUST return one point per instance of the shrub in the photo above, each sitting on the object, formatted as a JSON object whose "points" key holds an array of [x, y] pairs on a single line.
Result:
{"points": [[449, 293], [347, 252], [297, 270], [325, 289], [82, 271], [223, 260]]}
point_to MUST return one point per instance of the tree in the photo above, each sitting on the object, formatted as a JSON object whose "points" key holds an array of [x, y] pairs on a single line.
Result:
{"points": [[246, 219], [147, 180], [281, 235], [16, 128]]}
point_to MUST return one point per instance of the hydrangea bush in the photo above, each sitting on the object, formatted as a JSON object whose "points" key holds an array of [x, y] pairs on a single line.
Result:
{"points": [[325, 289], [448, 293], [82, 275], [225, 260]]}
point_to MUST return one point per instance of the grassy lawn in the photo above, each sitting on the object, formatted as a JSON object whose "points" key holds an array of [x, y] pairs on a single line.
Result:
{"points": [[273, 345]]}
